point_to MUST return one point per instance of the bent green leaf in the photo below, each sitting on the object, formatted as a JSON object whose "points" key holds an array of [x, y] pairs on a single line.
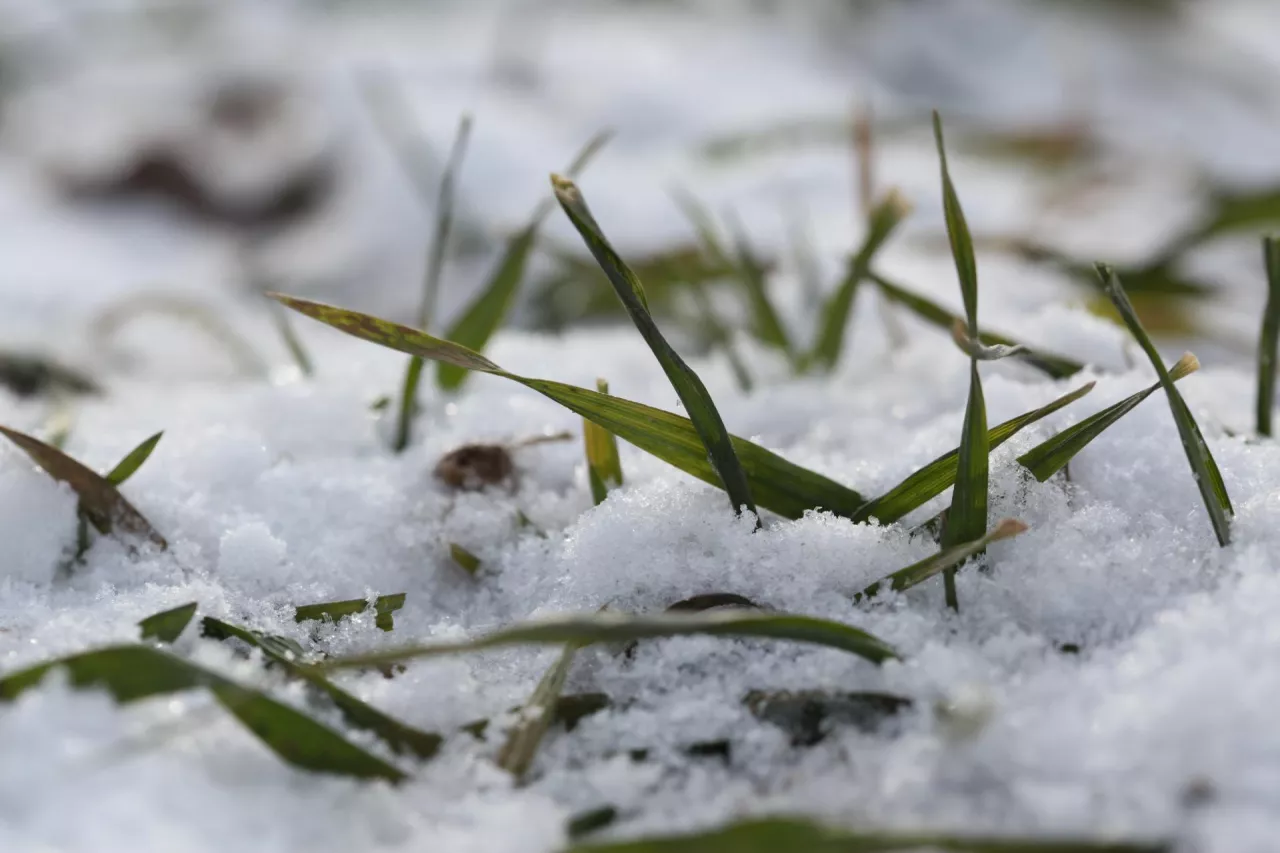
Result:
{"points": [[688, 386], [834, 317], [401, 738], [1054, 366], [1203, 467], [167, 625], [486, 312], [1270, 336], [105, 507], [384, 608], [947, 558], [467, 561], [607, 627], [774, 834], [1050, 456], [134, 672], [604, 465], [778, 485]]}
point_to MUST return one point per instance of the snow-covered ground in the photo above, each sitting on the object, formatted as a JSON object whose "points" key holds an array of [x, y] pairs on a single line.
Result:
{"points": [[275, 490]]}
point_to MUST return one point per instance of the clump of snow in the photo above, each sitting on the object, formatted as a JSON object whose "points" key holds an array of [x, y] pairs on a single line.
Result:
{"points": [[1108, 674]]}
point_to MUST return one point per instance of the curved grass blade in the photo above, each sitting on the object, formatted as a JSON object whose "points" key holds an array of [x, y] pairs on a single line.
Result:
{"points": [[933, 479], [719, 335], [1047, 458], [958, 235], [947, 558], [133, 672], [129, 465], [610, 627], [773, 834], [384, 608], [518, 751], [1052, 365], [834, 317], [710, 600], [1269, 337], [167, 625], [1205, 470], [99, 498], [692, 393], [766, 322], [604, 465], [431, 282], [486, 312], [402, 739], [778, 485]]}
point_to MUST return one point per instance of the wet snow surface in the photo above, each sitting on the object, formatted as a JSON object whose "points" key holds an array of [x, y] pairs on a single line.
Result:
{"points": [[275, 490]]}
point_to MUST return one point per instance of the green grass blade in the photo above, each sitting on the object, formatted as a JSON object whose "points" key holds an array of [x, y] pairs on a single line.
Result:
{"points": [[719, 335], [132, 672], [604, 465], [1052, 365], [403, 739], [958, 235], [934, 478], [766, 322], [167, 625], [1205, 470], [778, 485], [1267, 341], [129, 465], [967, 517], [834, 318], [609, 627], [693, 394], [482, 318], [770, 835], [431, 283], [384, 608], [1050, 456], [947, 558], [99, 498], [467, 561], [518, 751]]}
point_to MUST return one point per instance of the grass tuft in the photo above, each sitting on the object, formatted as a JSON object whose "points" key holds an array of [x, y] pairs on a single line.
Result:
{"points": [[946, 559]]}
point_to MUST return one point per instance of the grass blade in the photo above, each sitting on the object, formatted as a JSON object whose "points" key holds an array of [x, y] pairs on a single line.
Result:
{"points": [[947, 558], [1208, 478], [167, 625], [467, 561], [1052, 365], [431, 282], [292, 342], [604, 465], [766, 322], [967, 517], [485, 314], [719, 335], [403, 739], [99, 498], [933, 479], [129, 465], [618, 627], [133, 672], [1267, 341], [773, 834], [834, 318], [1047, 458], [778, 485], [518, 751], [384, 608], [692, 393]]}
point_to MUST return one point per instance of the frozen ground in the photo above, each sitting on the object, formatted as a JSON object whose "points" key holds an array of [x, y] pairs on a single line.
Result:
{"points": [[279, 491]]}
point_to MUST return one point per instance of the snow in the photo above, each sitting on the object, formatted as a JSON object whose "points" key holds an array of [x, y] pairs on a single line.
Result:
{"points": [[276, 490]]}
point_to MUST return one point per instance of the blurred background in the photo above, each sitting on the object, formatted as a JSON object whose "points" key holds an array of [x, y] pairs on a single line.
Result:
{"points": [[162, 163]]}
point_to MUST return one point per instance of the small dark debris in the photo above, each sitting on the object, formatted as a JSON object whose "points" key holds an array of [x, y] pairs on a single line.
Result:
{"points": [[474, 466], [712, 600], [590, 821], [1069, 649], [720, 749], [573, 708], [807, 715], [1198, 792]]}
